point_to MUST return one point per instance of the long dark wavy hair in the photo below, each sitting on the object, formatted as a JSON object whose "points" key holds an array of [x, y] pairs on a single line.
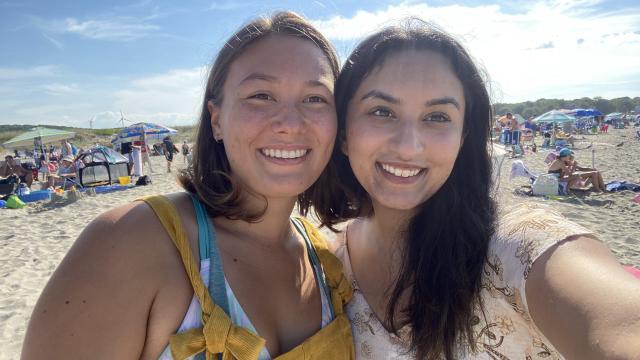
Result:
{"points": [[446, 241], [209, 176]]}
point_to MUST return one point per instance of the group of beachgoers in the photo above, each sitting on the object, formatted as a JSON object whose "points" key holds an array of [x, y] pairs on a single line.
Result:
{"points": [[54, 167], [392, 150]]}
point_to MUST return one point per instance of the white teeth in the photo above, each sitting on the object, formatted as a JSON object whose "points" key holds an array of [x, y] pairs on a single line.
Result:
{"points": [[284, 154], [400, 172]]}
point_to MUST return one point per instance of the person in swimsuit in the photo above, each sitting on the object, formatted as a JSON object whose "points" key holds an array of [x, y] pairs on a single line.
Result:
{"points": [[266, 132], [577, 177], [436, 272]]}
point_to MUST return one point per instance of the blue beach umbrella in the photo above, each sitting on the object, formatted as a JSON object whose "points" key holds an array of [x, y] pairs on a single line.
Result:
{"points": [[151, 130], [585, 112]]}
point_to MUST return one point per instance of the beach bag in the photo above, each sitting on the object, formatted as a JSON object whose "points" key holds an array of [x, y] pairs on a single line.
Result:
{"points": [[9, 185], [14, 202], [546, 184], [143, 180]]}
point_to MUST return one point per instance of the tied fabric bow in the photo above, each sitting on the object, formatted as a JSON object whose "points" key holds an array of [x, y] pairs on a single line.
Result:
{"points": [[218, 336]]}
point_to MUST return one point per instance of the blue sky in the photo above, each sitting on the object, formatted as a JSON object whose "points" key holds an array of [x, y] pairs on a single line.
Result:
{"points": [[72, 62]]}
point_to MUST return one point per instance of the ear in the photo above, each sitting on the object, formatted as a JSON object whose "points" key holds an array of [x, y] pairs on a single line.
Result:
{"points": [[214, 110]]}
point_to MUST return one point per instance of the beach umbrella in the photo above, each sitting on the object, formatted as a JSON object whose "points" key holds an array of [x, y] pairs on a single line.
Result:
{"points": [[584, 112], [554, 116], [152, 132], [615, 115], [45, 135]]}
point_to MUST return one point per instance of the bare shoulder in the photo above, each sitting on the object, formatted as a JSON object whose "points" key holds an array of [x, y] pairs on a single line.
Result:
{"points": [[104, 289]]}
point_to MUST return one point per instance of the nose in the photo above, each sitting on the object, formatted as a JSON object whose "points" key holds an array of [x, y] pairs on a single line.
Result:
{"points": [[407, 140], [288, 120]]}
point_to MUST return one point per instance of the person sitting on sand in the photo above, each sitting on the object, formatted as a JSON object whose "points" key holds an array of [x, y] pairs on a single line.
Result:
{"points": [[577, 178], [11, 167], [65, 176], [570, 139], [583, 175]]}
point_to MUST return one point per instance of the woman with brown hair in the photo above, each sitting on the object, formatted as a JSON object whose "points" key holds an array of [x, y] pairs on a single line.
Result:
{"points": [[263, 285]]}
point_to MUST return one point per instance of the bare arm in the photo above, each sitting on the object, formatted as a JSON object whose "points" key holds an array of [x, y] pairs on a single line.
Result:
{"points": [[584, 302], [96, 304]]}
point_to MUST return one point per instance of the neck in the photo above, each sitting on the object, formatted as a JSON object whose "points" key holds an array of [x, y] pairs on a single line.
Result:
{"points": [[383, 233], [273, 229]]}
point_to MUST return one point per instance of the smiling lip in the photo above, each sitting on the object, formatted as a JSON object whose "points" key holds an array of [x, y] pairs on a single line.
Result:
{"points": [[285, 155], [400, 174]]}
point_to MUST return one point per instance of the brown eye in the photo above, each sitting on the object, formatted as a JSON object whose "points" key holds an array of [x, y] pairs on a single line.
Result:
{"points": [[381, 112], [315, 99], [437, 117], [261, 96]]}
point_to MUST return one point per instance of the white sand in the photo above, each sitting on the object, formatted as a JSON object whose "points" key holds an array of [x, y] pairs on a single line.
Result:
{"points": [[34, 240]]}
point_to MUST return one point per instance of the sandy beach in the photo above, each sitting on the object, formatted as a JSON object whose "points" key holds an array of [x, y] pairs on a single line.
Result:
{"points": [[33, 240]]}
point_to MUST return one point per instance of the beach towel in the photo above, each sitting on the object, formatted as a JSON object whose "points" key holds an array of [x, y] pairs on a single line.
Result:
{"points": [[614, 186], [518, 168]]}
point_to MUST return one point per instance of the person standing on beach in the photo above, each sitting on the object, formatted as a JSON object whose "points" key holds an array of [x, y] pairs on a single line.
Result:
{"points": [[185, 150], [169, 150], [265, 134], [65, 148], [144, 148]]}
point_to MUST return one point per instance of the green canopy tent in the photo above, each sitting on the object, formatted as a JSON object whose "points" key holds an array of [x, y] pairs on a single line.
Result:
{"points": [[45, 135]]}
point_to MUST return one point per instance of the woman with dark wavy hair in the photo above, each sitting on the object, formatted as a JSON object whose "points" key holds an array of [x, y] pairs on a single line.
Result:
{"points": [[433, 276], [246, 281]]}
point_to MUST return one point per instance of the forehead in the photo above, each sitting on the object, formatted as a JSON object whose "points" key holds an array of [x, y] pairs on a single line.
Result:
{"points": [[424, 71], [282, 56]]}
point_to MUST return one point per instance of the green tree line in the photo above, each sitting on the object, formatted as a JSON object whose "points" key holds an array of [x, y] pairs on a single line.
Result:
{"points": [[541, 106]]}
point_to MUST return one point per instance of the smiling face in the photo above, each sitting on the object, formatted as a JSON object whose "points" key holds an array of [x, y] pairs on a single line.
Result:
{"points": [[404, 128], [277, 118]]}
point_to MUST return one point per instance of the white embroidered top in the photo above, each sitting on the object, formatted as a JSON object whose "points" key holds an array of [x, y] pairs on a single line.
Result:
{"points": [[523, 234]]}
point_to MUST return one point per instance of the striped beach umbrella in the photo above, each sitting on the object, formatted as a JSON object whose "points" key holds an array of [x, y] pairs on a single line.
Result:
{"points": [[152, 132]]}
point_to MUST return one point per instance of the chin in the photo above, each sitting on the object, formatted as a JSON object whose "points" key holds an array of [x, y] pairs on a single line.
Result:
{"points": [[399, 204], [283, 189]]}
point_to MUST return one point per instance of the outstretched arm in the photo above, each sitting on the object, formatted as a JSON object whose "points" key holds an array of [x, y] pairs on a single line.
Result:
{"points": [[584, 302]]}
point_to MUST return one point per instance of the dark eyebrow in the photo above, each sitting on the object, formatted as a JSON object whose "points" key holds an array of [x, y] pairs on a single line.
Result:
{"points": [[444, 101], [259, 76], [380, 95]]}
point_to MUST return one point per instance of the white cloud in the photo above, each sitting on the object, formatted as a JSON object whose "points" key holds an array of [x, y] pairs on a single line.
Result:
{"points": [[550, 48], [60, 89], [113, 28], [171, 98], [16, 73], [123, 28]]}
